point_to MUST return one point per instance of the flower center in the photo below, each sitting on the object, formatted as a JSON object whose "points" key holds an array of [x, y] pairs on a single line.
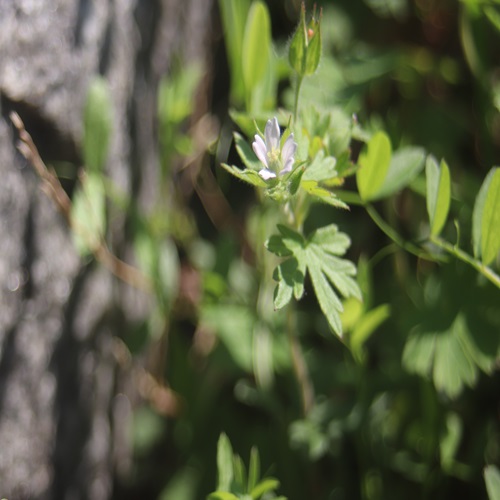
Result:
{"points": [[274, 157]]}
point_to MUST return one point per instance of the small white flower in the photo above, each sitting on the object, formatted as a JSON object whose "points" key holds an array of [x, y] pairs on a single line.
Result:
{"points": [[270, 154]]}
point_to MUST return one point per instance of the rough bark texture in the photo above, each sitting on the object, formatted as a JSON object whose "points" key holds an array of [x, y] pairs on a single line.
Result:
{"points": [[59, 316]]}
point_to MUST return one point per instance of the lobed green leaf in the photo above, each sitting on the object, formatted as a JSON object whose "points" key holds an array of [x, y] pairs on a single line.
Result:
{"points": [[321, 168]]}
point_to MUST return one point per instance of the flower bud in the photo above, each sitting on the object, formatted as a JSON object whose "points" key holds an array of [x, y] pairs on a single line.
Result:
{"points": [[305, 48]]}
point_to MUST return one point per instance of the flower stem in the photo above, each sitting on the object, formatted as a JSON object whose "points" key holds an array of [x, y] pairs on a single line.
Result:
{"points": [[296, 102]]}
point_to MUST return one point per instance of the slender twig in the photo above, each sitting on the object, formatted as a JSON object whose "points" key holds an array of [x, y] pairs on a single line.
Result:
{"points": [[396, 238], [299, 365], [486, 271], [52, 187]]}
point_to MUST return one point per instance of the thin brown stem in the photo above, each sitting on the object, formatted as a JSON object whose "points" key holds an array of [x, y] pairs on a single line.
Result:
{"points": [[53, 189]]}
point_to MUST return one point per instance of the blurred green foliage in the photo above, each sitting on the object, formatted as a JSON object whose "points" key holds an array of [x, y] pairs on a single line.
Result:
{"points": [[406, 405]]}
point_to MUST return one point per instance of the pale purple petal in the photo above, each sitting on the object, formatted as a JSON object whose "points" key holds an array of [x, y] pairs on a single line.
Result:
{"points": [[289, 149], [266, 174], [288, 166], [272, 133], [259, 148]]}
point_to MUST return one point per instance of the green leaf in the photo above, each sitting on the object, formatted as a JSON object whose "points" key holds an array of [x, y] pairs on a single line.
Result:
{"points": [[313, 53], [327, 298], [448, 444], [477, 214], [321, 168], [493, 15], [240, 479], [222, 495], [319, 255], [224, 320], [290, 278], [234, 15], [373, 163], [97, 125], [298, 45], [304, 52], [322, 194], [331, 240], [291, 239], [253, 469], [490, 223], [266, 485], [175, 94], [445, 355], [246, 153], [365, 327], [405, 165], [247, 175], [88, 214], [224, 463], [295, 179], [256, 45], [492, 480], [438, 194]]}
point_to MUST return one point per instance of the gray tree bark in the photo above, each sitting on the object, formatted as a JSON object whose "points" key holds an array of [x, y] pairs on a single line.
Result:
{"points": [[59, 316]]}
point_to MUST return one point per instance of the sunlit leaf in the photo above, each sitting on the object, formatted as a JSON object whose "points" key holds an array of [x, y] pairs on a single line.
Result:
{"points": [[438, 194], [225, 470], [97, 125], [320, 256], [404, 167], [374, 164], [266, 485], [490, 223], [322, 194], [88, 213], [321, 168], [304, 52], [247, 175], [253, 469], [256, 45], [492, 480], [365, 327], [290, 280], [486, 218], [222, 495], [234, 15]]}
